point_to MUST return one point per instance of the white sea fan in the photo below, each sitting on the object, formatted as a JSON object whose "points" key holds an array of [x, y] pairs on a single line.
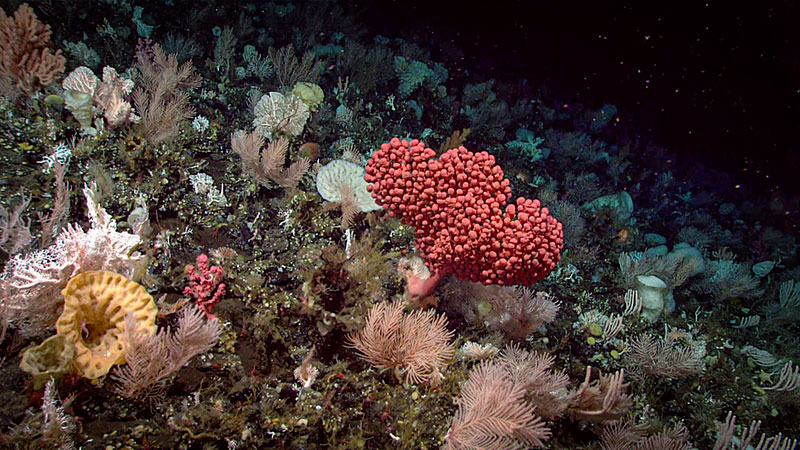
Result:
{"points": [[340, 172], [79, 88], [280, 114], [57, 425]]}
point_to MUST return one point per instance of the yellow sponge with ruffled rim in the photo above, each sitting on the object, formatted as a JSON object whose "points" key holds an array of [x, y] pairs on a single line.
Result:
{"points": [[95, 306]]}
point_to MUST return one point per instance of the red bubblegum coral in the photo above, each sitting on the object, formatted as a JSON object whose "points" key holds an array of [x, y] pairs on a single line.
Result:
{"points": [[458, 208], [204, 285]]}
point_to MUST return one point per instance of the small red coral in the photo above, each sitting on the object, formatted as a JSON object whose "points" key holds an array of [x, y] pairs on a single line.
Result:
{"points": [[204, 285]]}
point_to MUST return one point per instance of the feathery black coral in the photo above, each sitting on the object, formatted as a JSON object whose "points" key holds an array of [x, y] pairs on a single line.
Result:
{"points": [[493, 413], [152, 359]]}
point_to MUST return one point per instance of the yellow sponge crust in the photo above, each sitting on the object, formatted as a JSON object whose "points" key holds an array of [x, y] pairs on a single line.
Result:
{"points": [[95, 306], [51, 358], [311, 94]]}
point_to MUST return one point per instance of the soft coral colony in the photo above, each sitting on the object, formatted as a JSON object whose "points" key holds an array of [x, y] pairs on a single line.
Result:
{"points": [[472, 314]]}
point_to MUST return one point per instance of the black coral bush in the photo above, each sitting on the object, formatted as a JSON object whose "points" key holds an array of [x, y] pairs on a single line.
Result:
{"points": [[152, 359], [493, 413], [160, 95], [414, 345], [266, 164]]}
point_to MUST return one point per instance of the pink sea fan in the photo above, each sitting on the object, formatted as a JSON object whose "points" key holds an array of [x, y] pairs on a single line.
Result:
{"points": [[151, 359]]}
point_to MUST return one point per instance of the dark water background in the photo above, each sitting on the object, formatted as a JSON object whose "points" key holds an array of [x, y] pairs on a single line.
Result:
{"points": [[714, 82]]}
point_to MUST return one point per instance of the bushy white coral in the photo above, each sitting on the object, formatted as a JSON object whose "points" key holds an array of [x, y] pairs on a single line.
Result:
{"points": [[30, 285]]}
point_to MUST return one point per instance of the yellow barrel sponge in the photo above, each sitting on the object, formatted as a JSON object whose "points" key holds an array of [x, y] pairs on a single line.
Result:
{"points": [[311, 94], [95, 306]]}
